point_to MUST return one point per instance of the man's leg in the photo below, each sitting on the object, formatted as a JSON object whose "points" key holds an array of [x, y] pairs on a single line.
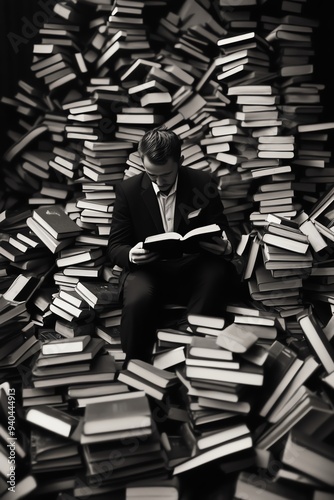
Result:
{"points": [[210, 284], [140, 311]]}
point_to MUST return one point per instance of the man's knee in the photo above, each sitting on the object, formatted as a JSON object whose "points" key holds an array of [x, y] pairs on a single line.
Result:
{"points": [[215, 271], [139, 288]]}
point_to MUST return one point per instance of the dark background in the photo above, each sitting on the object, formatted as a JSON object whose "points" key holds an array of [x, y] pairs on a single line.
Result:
{"points": [[15, 64]]}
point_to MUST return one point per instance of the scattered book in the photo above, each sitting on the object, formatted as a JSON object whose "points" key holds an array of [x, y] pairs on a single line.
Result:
{"points": [[236, 338], [315, 459], [55, 220], [53, 419], [318, 340], [66, 346], [156, 376], [208, 348], [121, 414], [247, 374], [216, 452], [98, 292], [283, 364], [90, 350]]}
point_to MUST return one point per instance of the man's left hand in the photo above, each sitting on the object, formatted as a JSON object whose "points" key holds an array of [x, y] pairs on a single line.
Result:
{"points": [[220, 246]]}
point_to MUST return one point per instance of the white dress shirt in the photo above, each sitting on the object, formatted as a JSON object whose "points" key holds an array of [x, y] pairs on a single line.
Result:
{"points": [[167, 206]]}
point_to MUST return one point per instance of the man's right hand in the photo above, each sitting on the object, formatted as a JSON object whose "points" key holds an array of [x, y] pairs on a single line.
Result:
{"points": [[140, 255]]}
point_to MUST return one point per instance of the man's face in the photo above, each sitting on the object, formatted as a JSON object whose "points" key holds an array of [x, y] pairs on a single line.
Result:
{"points": [[162, 175]]}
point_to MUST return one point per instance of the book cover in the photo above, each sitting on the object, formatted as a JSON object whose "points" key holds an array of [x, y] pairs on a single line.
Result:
{"points": [[228, 448], [98, 292], [49, 241], [248, 374], [157, 376], [56, 370], [92, 347], [118, 415], [171, 357], [143, 432], [103, 369], [317, 339], [201, 320], [55, 220], [314, 459], [282, 364], [248, 485], [309, 367], [285, 242], [310, 411], [65, 346], [205, 347], [53, 419], [236, 338], [141, 384]]}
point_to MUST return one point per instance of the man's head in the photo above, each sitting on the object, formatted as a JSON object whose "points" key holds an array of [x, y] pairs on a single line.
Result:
{"points": [[160, 151]]}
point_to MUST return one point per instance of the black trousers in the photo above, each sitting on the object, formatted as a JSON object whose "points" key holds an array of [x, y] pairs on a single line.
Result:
{"points": [[201, 282]]}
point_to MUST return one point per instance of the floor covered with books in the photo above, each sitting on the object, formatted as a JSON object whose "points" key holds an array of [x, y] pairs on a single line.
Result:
{"points": [[238, 406]]}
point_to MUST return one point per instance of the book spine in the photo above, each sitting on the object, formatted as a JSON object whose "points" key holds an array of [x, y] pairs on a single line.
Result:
{"points": [[318, 340]]}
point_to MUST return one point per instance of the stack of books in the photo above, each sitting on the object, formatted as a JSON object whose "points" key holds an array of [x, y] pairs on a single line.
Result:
{"points": [[188, 450], [54, 442], [64, 367], [53, 227], [23, 252], [80, 395], [155, 382], [52, 453], [107, 429]]}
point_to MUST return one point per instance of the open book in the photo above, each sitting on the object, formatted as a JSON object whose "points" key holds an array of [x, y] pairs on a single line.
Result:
{"points": [[172, 244]]}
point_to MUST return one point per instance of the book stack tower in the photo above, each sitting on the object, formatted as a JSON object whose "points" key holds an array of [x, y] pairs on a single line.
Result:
{"points": [[238, 82]]}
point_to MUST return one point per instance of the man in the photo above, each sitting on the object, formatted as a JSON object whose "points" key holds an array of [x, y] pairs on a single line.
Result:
{"points": [[166, 197]]}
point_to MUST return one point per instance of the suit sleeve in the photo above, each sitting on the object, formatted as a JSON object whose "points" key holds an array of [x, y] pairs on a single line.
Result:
{"points": [[121, 235], [214, 212]]}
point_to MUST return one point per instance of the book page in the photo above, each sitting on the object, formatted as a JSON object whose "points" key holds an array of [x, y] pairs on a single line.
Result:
{"points": [[163, 236], [210, 228]]}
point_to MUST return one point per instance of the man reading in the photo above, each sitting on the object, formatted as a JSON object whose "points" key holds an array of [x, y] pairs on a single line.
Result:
{"points": [[166, 197]]}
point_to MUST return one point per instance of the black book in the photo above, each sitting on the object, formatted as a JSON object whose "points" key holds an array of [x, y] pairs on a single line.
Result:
{"points": [[55, 220]]}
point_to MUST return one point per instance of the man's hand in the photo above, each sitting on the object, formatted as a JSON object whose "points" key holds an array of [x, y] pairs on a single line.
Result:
{"points": [[140, 255], [221, 245]]}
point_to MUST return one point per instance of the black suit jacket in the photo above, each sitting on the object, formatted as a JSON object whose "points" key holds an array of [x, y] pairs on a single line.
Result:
{"points": [[136, 212]]}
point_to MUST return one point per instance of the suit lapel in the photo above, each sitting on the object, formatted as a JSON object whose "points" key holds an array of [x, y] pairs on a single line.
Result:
{"points": [[151, 202]]}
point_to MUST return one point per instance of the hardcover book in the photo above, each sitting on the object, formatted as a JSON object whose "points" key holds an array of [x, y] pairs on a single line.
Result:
{"points": [[86, 354], [121, 414], [157, 376], [55, 220], [248, 374], [173, 244], [65, 346], [53, 419], [240, 443]]}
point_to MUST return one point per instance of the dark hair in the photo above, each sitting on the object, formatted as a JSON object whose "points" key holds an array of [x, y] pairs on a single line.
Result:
{"points": [[160, 144]]}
